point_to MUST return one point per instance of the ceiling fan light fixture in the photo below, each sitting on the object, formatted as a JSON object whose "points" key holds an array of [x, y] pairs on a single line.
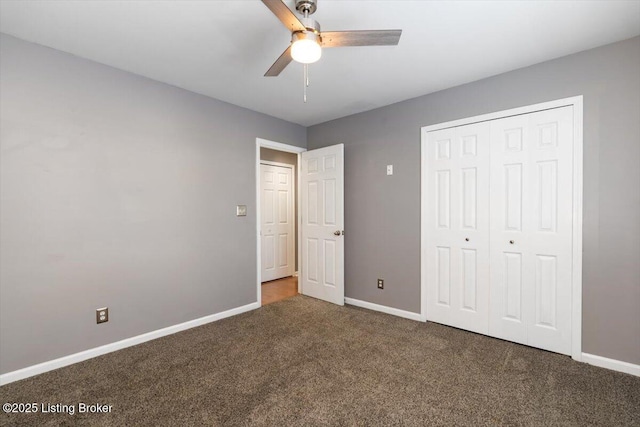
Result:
{"points": [[305, 47]]}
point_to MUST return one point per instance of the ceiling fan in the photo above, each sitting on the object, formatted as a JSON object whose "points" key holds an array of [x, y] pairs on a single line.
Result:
{"points": [[307, 40]]}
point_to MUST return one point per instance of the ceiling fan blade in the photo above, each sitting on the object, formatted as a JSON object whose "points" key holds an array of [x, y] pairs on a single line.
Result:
{"points": [[285, 15], [361, 38], [280, 63]]}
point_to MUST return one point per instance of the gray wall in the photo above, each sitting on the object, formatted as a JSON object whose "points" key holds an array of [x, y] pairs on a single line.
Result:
{"points": [[118, 191], [288, 159], [387, 244]]}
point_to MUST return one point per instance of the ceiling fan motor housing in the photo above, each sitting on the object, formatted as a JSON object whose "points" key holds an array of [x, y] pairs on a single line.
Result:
{"points": [[301, 35], [308, 6], [312, 25], [312, 33]]}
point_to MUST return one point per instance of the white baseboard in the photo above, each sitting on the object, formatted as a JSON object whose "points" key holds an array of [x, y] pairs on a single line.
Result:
{"points": [[383, 309], [40, 368], [613, 364]]}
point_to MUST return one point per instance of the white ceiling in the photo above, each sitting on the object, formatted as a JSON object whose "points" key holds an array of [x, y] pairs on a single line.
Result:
{"points": [[223, 48]]}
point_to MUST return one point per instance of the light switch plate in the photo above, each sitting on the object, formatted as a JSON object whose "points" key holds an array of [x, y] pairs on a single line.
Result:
{"points": [[389, 169], [241, 210]]}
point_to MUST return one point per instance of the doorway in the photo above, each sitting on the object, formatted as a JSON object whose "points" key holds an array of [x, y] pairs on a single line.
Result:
{"points": [[320, 191], [277, 171]]}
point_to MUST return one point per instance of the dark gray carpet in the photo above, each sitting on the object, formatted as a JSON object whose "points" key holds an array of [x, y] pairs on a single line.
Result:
{"points": [[306, 362]]}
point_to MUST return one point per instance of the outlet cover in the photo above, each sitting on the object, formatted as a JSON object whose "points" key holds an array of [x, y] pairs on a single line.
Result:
{"points": [[241, 210], [102, 315], [380, 283], [389, 169]]}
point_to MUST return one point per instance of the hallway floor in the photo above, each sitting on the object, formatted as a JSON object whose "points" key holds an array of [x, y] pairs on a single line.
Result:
{"points": [[277, 290]]}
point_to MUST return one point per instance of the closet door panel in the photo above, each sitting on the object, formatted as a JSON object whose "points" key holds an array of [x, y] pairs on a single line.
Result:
{"points": [[531, 226], [458, 227], [509, 204], [550, 238]]}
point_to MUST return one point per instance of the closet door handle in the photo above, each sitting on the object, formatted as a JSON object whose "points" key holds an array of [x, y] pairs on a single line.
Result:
{"points": [[466, 239], [511, 242]]}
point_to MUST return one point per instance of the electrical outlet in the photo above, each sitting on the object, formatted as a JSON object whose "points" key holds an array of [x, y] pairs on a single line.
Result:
{"points": [[102, 315], [380, 283]]}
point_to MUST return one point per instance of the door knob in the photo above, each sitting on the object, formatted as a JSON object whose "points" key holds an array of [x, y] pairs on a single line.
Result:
{"points": [[337, 233], [466, 239], [511, 242]]}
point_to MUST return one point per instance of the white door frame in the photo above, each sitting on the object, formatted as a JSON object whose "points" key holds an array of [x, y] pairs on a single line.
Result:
{"points": [[576, 293], [289, 149]]}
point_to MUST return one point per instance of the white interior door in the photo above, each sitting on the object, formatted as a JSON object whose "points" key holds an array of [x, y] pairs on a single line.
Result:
{"points": [[277, 218], [531, 228], [458, 227], [322, 230]]}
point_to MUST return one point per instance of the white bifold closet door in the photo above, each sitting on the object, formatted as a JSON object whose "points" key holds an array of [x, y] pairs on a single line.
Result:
{"points": [[531, 228], [458, 212], [499, 251]]}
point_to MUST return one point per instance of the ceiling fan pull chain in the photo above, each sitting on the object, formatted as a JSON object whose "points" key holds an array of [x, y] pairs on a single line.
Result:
{"points": [[305, 82]]}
